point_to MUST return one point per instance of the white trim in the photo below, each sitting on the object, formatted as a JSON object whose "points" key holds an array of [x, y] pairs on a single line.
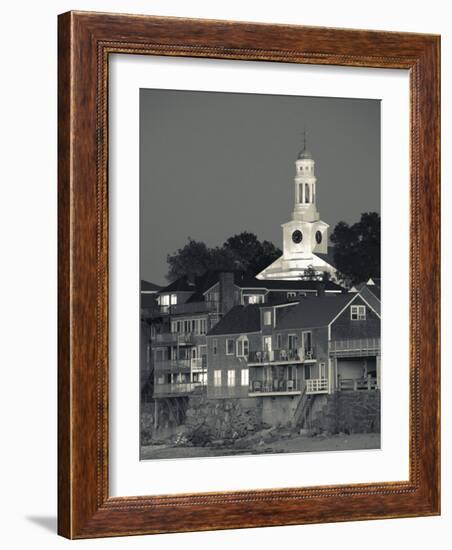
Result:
{"points": [[342, 310], [367, 303], [240, 340], [359, 310], [289, 304]]}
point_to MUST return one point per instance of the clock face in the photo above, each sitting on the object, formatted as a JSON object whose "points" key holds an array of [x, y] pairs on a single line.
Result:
{"points": [[297, 236], [318, 237]]}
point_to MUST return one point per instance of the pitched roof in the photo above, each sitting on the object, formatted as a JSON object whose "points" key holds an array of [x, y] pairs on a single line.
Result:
{"points": [[146, 286], [179, 285], [314, 311], [367, 293], [239, 320]]}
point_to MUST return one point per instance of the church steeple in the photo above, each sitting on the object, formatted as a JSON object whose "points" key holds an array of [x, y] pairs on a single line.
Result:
{"points": [[305, 235], [305, 186]]}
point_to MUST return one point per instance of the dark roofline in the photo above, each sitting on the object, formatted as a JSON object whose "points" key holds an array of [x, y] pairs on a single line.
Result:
{"points": [[146, 286], [282, 285]]}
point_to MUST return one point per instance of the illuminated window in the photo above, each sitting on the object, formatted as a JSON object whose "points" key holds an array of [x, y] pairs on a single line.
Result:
{"points": [[217, 378], [245, 377], [231, 377]]}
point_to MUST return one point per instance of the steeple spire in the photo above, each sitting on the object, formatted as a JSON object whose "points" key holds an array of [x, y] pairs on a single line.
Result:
{"points": [[305, 153]]}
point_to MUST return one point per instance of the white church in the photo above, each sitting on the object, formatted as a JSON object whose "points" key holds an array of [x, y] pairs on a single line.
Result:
{"points": [[305, 235]]}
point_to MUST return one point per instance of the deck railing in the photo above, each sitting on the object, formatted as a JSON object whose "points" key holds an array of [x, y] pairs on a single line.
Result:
{"points": [[281, 356], [274, 386], [179, 388], [316, 385], [174, 338], [355, 384], [360, 346], [173, 364]]}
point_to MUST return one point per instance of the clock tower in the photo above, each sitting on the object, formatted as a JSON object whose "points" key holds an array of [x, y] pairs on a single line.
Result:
{"points": [[305, 235]]}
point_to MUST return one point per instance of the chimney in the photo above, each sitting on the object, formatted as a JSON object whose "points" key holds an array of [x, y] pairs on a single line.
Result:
{"points": [[226, 281]]}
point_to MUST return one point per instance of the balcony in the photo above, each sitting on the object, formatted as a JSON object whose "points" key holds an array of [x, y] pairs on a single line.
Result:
{"points": [[176, 389], [355, 348], [173, 338], [198, 364], [315, 386], [177, 365], [357, 384], [281, 357], [269, 388]]}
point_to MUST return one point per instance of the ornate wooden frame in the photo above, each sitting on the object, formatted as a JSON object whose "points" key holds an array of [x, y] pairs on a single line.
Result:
{"points": [[85, 42]]}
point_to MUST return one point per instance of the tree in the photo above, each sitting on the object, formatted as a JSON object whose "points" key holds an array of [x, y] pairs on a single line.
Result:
{"points": [[242, 253], [192, 259], [357, 249], [251, 255]]}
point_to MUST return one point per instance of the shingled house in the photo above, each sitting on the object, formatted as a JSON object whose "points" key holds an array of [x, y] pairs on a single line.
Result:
{"points": [[186, 310], [281, 353]]}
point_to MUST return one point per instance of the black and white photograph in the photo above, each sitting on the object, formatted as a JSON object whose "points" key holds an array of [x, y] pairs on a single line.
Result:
{"points": [[260, 274]]}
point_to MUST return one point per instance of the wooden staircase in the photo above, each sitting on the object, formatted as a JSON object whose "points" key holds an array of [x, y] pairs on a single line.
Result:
{"points": [[301, 414]]}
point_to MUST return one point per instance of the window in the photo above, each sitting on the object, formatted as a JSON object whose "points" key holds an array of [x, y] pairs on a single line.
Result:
{"points": [[173, 326], [245, 377], [267, 317], [253, 299], [306, 192], [358, 313], [278, 341], [164, 300], [297, 236], [242, 347], [306, 338], [173, 299], [229, 346], [217, 378], [292, 341], [231, 377], [215, 346], [291, 294]]}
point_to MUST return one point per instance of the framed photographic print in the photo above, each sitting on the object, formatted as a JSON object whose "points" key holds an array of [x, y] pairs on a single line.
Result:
{"points": [[248, 275]]}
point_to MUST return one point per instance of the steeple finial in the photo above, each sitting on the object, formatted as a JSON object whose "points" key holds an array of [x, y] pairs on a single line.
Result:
{"points": [[305, 153]]}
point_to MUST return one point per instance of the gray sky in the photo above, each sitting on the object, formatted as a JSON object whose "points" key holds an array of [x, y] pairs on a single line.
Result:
{"points": [[215, 164]]}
